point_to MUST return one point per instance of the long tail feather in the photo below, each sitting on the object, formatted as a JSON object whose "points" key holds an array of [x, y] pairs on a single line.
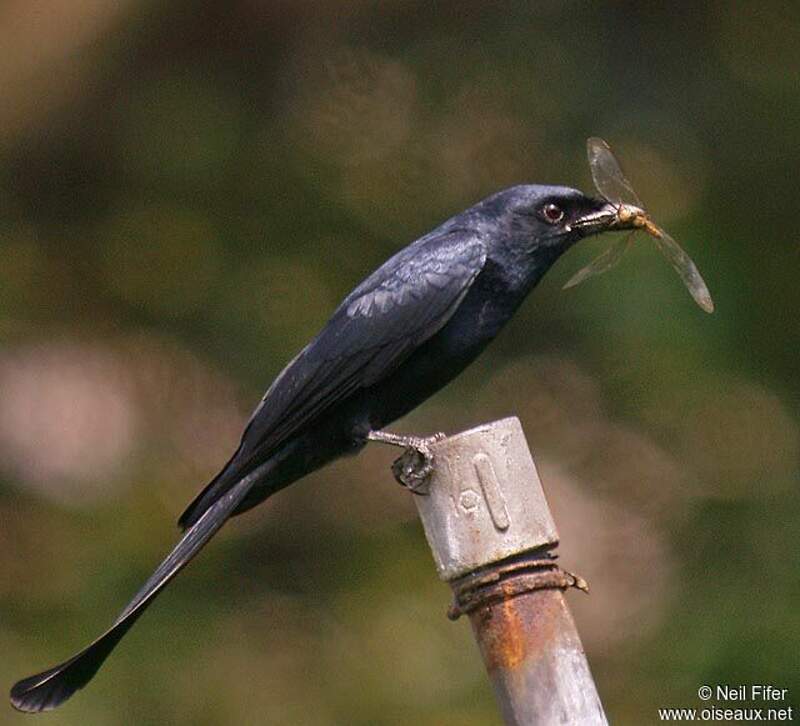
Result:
{"points": [[46, 690]]}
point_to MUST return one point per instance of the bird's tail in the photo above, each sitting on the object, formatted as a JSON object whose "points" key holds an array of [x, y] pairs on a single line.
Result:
{"points": [[52, 687], [210, 493]]}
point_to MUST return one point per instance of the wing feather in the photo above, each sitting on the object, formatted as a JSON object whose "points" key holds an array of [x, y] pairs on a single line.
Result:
{"points": [[385, 319]]}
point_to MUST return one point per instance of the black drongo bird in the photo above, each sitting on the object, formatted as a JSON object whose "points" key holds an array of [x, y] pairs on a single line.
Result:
{"points": [[400, 336]]}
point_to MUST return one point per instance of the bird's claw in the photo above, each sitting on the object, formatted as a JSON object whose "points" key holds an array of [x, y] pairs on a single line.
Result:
{"points": [[414, 467]]}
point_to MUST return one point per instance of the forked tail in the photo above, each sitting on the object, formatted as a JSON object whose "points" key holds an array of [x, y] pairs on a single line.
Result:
{"points": [[52, 687]]}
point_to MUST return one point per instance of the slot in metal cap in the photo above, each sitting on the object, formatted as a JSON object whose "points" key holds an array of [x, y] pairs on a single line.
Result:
{"points": [[485, 500]]}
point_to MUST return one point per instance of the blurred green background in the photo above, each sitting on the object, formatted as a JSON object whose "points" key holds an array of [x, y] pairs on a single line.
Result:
{"points": [[186, 192]]}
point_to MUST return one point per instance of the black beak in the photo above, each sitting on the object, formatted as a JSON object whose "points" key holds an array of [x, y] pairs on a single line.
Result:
{"points": [[603, 218]]}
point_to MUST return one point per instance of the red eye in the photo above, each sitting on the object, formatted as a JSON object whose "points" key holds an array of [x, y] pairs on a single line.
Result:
{"points": [[552, 213]]}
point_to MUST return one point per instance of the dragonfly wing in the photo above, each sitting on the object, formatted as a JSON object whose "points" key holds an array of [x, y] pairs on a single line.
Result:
{"points": [[602, 263], [686, 269], [607, 174]]}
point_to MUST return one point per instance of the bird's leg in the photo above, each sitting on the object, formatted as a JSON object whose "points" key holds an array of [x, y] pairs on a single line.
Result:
{"points": [[413, 468]]}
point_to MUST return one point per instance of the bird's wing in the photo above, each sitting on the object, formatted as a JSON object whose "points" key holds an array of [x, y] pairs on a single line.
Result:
{"points": [[386, 318], [52, 687]]}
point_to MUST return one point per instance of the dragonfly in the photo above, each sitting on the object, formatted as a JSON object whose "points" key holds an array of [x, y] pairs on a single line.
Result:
{"points": [[613, 186]]}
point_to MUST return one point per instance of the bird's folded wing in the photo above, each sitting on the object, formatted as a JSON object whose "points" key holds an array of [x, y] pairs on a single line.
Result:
{"points": [[385, 319]]}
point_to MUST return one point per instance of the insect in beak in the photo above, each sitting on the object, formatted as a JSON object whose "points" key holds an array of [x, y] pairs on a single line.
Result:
{"points": [[618, 214]]}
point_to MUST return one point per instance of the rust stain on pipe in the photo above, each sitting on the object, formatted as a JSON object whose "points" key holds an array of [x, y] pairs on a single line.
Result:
{"points": [[499, 632], [512, 630]]}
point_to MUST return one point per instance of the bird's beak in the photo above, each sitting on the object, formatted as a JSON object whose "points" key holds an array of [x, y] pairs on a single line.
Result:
{"points": [[602, 219]]}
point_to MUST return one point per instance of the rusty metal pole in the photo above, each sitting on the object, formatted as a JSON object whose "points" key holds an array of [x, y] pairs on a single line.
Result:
{"points": [[491, 532]]}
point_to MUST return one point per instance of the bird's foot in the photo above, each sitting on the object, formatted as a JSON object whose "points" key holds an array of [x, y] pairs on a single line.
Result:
{"points": [[415, 466]]}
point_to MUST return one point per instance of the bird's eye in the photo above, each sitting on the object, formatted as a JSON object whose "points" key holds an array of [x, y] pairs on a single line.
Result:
{"points": [[552, 213]]}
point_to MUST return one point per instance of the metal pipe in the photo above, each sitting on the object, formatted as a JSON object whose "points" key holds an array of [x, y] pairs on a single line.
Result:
{"points": [[491, 532]]}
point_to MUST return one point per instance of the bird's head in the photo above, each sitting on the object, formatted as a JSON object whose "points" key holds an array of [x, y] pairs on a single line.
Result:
{"points": [[551, 219]]}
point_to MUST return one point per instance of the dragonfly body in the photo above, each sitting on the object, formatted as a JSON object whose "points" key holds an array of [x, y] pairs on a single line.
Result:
{"points": [[638, 218]]}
